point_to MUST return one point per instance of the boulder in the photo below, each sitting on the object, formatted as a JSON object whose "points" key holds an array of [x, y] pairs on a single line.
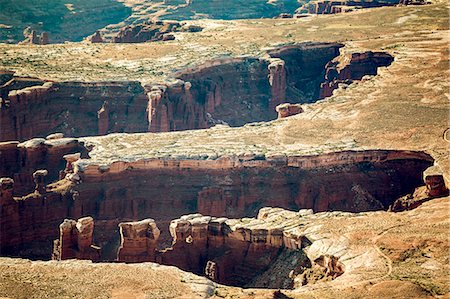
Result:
{"points": [[286, 110]]}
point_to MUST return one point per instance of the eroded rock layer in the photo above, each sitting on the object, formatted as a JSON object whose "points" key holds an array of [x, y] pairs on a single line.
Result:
{"points": [[73, 108], [20, 160], [232, 91], [228, 186]]}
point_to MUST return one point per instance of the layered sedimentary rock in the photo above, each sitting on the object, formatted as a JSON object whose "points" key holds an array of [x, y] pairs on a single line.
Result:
{"points": [[146, 32], [434, 187], [138, 241], [339, 6], [31, 37], [73, 108], [232, 91], [232, 9], [75, 240], [346, 68], [239, 90], [228, 186], [229, 251], [20, 160], [304, 66], [286, 110]]}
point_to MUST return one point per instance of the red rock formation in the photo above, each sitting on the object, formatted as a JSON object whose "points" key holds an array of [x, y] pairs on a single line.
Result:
{"points": [[44, 39], [167, 37], [232, 91], [346, 69], [6, 191], [331, 264], [286, 110], [122, 191], [435, 183], [103, 119], [227, 252], [146, 32], [138, 241], [304, 65], [96, 38], [39, 180], [72, 108], [277, 81], [75, 240], [31, 37], [434, 187], [20, 160]]}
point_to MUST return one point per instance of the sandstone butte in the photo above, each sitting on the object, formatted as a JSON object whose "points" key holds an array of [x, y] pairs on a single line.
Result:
{"points": [[160, 169]]}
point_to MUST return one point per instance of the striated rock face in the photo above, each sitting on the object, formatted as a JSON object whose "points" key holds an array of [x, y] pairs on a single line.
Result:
{"points": [[146, 32], [75, 109], [138, 241], [232, 91], [229, 10], [225, 250], [75, 240], [20, 160], [434, 187], [286, 110], [434, 181], [345, 69], [239, 90], [230, 187], [6, 190], [31, 37], [304, 66], [277, 81], [339, 6], [96, 38], [39, 180]]}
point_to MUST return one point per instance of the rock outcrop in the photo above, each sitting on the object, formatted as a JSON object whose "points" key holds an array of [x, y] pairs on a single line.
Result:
{"points": [[75, 241], [340, 6], [73, 108], [31, 37], [286, 110], [304, 67], [434, 187], [227, 251], [146, 32], [230, 91], [20, 160], [230, 187], [96, 38], [138, 241], [345, 69]]}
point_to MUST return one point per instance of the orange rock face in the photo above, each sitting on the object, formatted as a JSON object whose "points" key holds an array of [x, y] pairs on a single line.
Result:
{"points": [[75, 240], [138, 241]]}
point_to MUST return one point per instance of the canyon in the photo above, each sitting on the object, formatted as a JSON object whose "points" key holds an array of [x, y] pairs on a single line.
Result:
{"points": [[232, 91], [260, 158]]}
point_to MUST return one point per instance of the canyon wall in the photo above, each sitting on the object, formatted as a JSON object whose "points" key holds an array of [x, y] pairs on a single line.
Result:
{"points": [[232, 91], [73, 108], [339, 6], [305, 69], [20, 160], [231, 187], [347, 68]]}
